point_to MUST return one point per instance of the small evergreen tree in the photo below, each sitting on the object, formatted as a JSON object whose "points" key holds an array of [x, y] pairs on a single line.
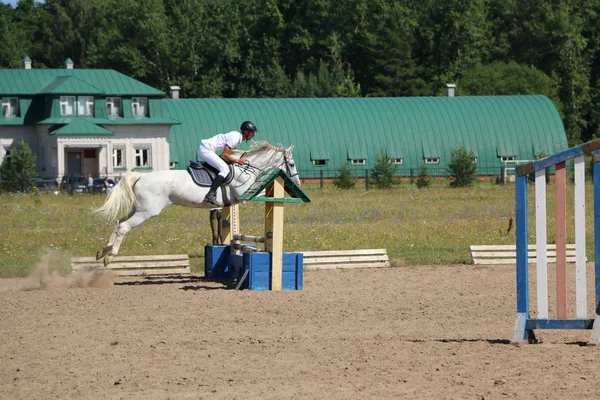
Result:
{"points": [[383, 172], [462, 166], [17, 171], [423, 180], [345, 180]]}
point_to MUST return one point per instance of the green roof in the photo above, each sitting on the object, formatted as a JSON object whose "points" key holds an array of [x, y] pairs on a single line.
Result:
{"points": [[11, 121], [82, 127], [142, 120], [410, 128], [68, 120], [70, 85], [35, 81]]}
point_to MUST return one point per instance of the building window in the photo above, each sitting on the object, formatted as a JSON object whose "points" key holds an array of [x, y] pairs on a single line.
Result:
{"points": [[142, 158], [113, 106], [432, 160], [507, 158], [10, 106], [118, 157], [358, 161], [85, 105], [7, 154], [139, 106], [67, 105], [474, 160], [397, 161], [319, 162]]}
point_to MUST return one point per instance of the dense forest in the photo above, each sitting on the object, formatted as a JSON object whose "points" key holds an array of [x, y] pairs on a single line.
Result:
{"points": [[326, 48]]}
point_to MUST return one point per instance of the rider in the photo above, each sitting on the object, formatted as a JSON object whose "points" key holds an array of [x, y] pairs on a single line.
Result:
{"points": [[223, 142]]}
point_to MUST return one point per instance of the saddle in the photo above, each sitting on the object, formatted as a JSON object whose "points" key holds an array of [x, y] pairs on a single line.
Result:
{"points": [[203, 173]]}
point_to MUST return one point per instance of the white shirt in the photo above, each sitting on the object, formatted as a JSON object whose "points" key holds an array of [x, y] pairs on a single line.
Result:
{"points": [[218, 142]]}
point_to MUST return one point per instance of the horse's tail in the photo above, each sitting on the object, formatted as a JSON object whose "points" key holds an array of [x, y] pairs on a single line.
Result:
{"points": [[122, 198]]}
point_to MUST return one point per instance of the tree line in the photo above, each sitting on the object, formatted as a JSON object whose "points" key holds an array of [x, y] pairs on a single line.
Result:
{"points": [[326, 48]]}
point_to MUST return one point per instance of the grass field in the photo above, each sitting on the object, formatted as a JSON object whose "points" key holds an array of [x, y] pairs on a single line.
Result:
{"points": [[417, 226]]}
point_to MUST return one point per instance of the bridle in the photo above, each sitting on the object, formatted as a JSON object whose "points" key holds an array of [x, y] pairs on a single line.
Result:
{"points": [[286, 161]]}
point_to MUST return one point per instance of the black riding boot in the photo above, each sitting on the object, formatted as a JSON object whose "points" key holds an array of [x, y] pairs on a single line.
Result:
{"points": [[211, 196]]}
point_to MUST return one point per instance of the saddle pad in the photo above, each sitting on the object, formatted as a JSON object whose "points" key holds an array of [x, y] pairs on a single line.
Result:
{"points": [[201, 177]]}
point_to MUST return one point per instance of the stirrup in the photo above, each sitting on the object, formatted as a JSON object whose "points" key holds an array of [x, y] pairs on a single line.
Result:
{"points": [[211, 198]]}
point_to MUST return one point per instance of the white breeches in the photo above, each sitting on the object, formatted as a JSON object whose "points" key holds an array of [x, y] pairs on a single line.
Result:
{"points": [[213, 159]]}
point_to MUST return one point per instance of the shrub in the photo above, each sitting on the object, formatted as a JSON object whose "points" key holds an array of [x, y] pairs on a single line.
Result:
{"points": [[383, 171], [17, 171], [423, 180], [345, 180], [462, 167]]}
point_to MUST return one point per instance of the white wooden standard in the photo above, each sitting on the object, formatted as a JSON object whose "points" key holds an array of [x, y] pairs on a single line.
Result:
{"points": [[580, 267], [231, 222], [136, 265], [541, 240]]}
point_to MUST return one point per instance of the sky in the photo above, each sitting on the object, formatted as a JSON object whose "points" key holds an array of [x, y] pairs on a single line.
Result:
{"points": [[14, 2]]}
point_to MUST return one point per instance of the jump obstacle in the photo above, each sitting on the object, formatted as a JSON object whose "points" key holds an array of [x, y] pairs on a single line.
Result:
{"points": [[346, 259], [137, 265], [271, 269], [525, 324], [507, 254]]}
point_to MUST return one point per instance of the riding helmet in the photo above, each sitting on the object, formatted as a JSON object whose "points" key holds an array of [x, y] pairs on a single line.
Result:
{"points": [[248, 126]]}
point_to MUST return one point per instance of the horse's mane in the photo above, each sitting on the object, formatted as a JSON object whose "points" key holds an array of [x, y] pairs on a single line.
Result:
{"points": [[257, 146]]}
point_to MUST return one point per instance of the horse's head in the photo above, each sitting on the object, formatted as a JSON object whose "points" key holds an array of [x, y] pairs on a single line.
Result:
{"points": [[263, 155], [290, 165]]}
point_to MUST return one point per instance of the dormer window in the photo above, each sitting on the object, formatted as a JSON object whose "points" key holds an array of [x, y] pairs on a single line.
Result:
{"points": [[507, 158], [113, 106], [358, 161], [432, 160], [67, 105], [139, 106], [80, 105], [85, 105], [10, 106], [319, 162], [397, 161]]}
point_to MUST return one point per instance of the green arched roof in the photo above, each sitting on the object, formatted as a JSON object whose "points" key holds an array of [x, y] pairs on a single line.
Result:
{"points": [[410, 128]]}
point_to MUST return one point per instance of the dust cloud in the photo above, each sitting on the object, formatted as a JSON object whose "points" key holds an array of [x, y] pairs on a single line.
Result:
{"points": [[44, 278]]}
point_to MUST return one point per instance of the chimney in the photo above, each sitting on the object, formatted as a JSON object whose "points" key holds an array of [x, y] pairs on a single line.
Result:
{"points": [[26, 63], [174, 92], [450, 89], [69, 63]]}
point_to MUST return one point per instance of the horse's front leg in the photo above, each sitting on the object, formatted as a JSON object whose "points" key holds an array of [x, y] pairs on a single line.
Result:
{"points": [[109, 245]]}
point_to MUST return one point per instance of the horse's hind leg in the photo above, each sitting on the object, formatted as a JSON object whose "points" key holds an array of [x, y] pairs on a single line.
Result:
{"points": [[111, 240], [122, 228], [109, 245]]}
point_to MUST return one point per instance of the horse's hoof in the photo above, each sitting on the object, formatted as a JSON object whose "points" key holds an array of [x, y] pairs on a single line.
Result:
{"points": [[99, 255], [107, 261]]}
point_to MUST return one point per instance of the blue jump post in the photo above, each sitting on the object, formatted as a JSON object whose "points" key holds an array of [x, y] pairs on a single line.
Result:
{"points": [[525, 325]]}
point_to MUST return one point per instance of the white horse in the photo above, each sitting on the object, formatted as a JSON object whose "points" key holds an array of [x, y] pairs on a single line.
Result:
{"points": [[143, 196]]}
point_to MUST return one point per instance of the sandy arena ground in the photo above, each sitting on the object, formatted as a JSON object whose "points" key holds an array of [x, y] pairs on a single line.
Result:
{"points": [[431, 332]]}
